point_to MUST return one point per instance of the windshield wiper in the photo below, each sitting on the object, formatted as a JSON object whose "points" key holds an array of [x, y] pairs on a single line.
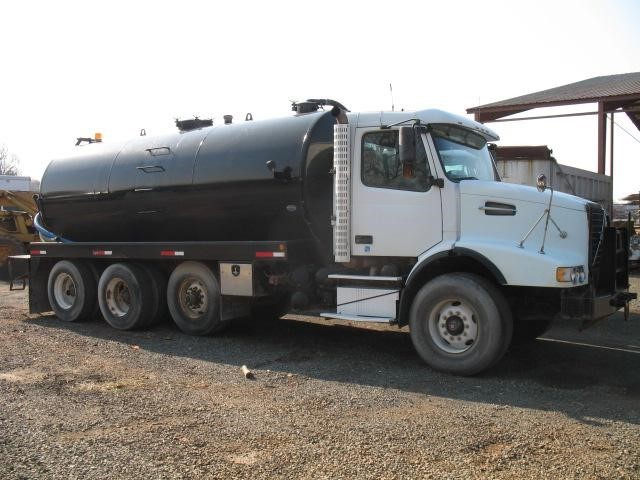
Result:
{"points": [[465, 178]]}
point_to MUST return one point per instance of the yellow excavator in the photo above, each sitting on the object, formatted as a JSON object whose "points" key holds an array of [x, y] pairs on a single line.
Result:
{"points": [[17, 210]]}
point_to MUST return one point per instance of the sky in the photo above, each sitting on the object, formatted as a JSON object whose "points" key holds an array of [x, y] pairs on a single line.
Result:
{"points": [[72, 68]]}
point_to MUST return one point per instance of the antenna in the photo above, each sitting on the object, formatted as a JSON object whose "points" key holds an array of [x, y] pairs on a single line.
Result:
{"points": [[391, 90]]}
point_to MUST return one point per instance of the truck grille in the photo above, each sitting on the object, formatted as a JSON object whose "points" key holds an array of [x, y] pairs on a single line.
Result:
{"points": [[596, 217]]}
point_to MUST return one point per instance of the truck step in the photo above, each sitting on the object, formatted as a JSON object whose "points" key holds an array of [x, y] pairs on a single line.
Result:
{"points": [[365, 278], [358, 318]]}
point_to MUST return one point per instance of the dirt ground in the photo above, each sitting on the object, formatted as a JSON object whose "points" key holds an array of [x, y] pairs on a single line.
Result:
{"points": [[329, 400]]}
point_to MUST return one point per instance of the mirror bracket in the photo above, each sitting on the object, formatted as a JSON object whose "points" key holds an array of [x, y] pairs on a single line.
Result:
{"points": [[438, 182]]}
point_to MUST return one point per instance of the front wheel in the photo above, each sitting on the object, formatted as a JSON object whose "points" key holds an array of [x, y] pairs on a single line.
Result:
{"points": [[460, 323]]}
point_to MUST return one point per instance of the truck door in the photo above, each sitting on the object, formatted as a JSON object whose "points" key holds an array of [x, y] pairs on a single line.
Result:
{"points": [[396, 212]]}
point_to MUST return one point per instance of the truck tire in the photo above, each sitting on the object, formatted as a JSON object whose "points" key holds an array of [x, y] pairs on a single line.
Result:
{"points": [[71, 289], [460, 323], [193, 297], [125, 296], [159, 289], [96, 272]]}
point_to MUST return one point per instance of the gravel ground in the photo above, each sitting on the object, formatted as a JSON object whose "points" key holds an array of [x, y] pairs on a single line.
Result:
{"points": [[327, 401]]}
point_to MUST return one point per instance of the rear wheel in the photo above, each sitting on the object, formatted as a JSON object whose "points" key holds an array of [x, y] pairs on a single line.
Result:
{"points": [[193, 297], [159, 291], [126, 296], [71, 289], [460, 323]]}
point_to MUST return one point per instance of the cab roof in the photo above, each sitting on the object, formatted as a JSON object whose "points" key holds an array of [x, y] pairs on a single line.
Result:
{"points": [[376, 119]]}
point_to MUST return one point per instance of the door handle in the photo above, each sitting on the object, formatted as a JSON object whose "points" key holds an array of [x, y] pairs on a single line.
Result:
{"points": [[364, 239], [154, 152], [151, 168], [499, 209]]}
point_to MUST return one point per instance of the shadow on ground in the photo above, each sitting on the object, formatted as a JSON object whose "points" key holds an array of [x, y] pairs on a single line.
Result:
{"points": [[592, 376]]}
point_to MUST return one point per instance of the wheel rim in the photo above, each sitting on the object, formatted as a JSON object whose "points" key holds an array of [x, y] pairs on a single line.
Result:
{"points": [[65, 291], [194, 299], [118, 297], [453, 326]]}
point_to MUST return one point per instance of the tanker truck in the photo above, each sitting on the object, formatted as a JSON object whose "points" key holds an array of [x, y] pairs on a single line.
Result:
{"points": [[394, 217]]}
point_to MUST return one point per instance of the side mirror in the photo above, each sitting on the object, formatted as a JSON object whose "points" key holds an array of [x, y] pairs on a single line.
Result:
{"points": [[407, 145], [541, 182]]}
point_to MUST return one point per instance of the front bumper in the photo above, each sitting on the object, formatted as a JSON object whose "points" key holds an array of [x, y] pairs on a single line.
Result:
{"points": [[608, 289], [585, 304]]}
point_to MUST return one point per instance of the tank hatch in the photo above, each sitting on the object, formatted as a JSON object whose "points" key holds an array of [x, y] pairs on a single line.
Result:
{"points": [[193, 123]]}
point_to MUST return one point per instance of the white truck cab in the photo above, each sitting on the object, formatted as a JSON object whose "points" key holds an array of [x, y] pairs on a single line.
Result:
{"points": [[487, 257]]}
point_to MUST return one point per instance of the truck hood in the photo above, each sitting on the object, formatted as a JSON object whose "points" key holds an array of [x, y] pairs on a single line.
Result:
{"points": [[525, 246], [520, 193]]}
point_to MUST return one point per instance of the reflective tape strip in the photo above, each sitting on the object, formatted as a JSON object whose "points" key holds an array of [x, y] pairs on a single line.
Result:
{"points": [[171, 253], [270, 254], [38, 252], [102, 253]]}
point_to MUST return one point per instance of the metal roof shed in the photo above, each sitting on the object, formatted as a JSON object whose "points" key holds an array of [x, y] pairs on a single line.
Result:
{"points": [[613, 94]]}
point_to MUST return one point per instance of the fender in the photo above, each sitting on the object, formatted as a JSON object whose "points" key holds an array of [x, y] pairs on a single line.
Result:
{"points": [[443, 262]]}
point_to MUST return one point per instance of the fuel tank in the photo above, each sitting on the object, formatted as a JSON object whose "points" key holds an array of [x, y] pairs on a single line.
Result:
{"points": [[255, 180]]}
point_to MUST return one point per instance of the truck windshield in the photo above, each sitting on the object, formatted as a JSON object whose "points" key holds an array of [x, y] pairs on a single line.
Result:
{"points": [[464, 154]]}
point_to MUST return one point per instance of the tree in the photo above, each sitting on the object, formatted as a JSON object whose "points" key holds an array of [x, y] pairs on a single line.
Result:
{"points": [[8, 162]]}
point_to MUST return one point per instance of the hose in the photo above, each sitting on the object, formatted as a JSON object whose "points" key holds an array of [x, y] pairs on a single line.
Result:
{"points": [[45, 234]]}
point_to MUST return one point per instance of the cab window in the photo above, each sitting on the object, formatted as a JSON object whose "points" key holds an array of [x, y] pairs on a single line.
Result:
{"points": [[381, 166]]}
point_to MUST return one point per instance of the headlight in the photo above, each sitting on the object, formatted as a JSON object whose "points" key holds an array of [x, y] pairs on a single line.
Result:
{"points": [[574, 275]]}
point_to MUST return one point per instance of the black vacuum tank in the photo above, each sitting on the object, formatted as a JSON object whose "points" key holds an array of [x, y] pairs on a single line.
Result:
{"points": [[255, 180]]}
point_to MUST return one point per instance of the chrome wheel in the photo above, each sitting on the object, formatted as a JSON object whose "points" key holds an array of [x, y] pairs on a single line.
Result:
{"points": [[71, 290], [193, 298], [65, 290], [126, 296], [460, 323], [118, 297], [453, 326]]}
